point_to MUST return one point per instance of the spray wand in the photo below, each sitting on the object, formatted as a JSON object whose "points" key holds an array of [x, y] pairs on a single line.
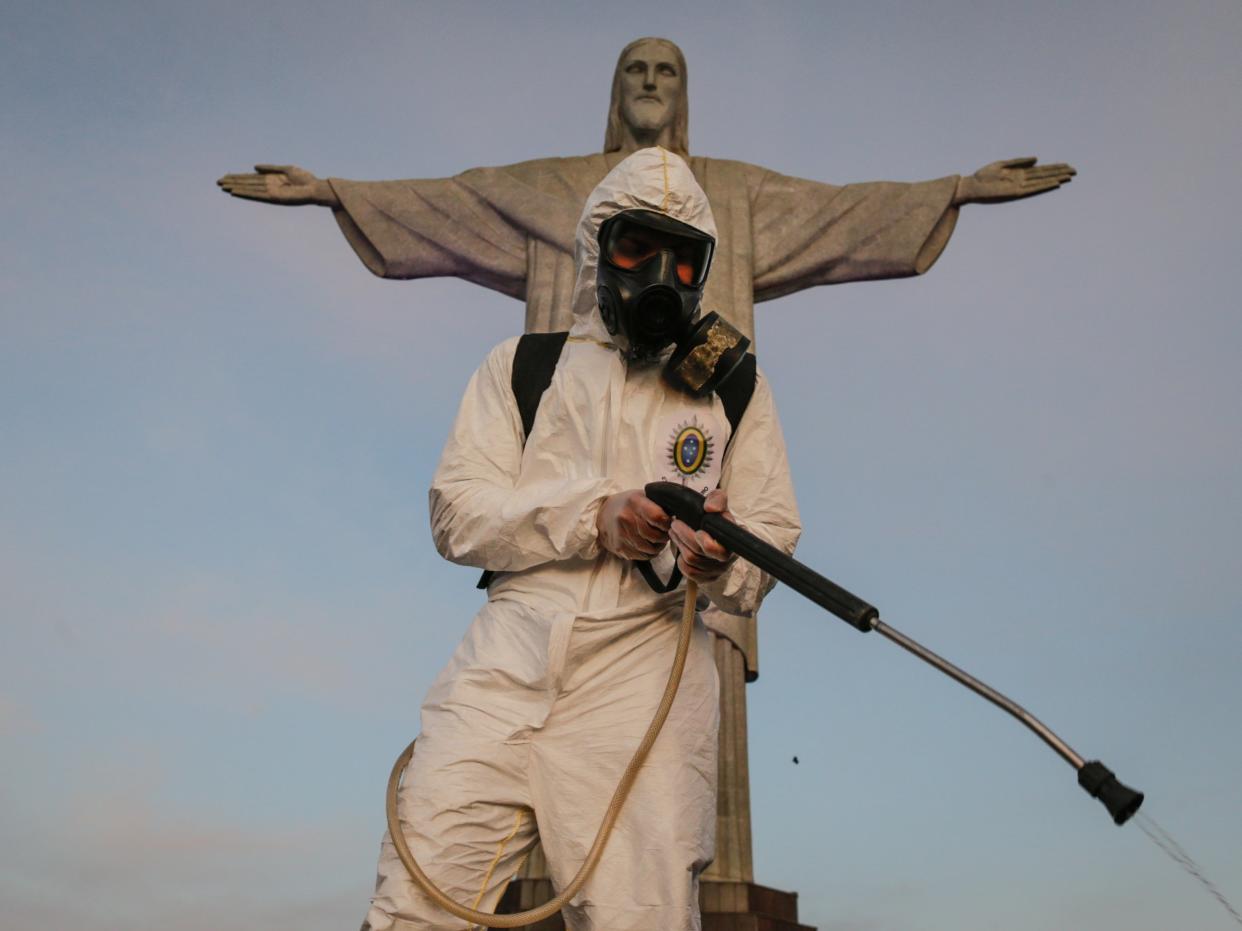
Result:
{"points": [[687, 505]]}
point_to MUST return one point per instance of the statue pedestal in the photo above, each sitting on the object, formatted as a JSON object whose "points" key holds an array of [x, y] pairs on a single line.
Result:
{"points": [[731, 906], [726, 906]]}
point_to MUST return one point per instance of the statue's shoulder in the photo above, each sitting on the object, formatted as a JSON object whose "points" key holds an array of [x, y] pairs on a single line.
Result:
{"points": [[732, 168], [724, 164]]}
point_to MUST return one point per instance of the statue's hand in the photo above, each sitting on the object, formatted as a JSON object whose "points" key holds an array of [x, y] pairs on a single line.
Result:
{"points": [[280, 184], [1011, 179]]}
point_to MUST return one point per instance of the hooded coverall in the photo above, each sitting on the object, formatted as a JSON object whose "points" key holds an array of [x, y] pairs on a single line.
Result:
{"points": [[527, 730]]}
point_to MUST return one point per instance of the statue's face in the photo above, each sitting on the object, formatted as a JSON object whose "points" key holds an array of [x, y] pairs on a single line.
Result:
{"points": [[651, 87]]}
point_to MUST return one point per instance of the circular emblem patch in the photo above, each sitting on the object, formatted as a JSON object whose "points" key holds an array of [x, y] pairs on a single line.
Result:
{"points": [[688, 447], [689, 450]]}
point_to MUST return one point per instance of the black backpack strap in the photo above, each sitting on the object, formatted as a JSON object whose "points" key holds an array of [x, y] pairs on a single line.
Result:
{"points": [[736, 392], [534, 363], [533, 366]]}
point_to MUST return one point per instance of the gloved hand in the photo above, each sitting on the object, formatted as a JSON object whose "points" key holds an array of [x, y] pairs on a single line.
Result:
{"points": [[702, 558], [631, 525]]}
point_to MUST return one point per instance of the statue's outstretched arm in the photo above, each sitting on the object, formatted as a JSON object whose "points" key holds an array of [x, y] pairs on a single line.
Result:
{"points": [[1011, 179], [281, 184]]}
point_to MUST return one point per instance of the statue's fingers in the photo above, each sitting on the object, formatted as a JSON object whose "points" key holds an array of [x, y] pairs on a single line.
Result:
{"points": [[247, 187], [237, 179], [1053, 181], [1040, 187], [250, 194], [255, 186], [1025, 162], [1051, 171], [1042, 184], [1057, 168]]}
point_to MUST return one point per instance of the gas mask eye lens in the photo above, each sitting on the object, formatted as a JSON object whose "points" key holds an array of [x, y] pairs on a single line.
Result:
{"points": [[691, 263], [629, 241], [630, 250]]}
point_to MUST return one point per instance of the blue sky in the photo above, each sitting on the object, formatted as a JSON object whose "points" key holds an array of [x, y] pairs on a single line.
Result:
{"points": [[219, 603]]}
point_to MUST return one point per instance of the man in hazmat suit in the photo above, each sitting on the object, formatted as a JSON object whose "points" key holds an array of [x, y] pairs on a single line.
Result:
{"points": [[526, 732]]}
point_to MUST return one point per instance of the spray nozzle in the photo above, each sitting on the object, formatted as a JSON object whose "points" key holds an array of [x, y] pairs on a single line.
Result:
{"points": [[1099, 782]]}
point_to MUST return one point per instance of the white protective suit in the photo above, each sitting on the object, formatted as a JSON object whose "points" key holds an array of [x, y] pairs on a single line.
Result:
{"points": [[526, 732]]}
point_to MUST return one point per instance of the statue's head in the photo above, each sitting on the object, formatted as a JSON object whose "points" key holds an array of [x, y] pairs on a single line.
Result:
{"points": [[649, 104]]}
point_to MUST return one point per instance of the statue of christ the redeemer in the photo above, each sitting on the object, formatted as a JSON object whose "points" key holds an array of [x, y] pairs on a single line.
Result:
{"points": [[511, 229]]}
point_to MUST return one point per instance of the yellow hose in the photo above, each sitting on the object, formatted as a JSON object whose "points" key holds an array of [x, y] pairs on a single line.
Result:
{"points": [[605, 829]]}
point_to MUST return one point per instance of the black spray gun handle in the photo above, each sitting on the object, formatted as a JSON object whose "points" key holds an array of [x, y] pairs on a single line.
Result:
{"points": [[687, 505]]}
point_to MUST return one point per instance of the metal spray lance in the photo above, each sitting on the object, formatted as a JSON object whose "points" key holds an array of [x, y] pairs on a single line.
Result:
{"points": [[687, 505]]}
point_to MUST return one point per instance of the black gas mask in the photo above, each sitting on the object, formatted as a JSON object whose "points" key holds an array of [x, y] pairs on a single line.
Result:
{"points": [[651, 274]]}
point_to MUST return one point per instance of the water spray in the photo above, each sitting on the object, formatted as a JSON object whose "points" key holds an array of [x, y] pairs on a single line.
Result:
{"points": [[687, 505]]}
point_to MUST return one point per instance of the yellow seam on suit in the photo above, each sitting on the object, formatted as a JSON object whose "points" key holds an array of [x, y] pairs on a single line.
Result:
{"points": [[587, 339], [664, 162], [500, 849]]}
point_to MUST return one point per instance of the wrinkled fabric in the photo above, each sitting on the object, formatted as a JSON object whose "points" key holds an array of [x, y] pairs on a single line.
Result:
{"points": [[526, 732]]}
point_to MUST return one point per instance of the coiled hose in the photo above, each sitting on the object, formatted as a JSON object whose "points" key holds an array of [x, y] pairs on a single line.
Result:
{"points": [[605, 829]]}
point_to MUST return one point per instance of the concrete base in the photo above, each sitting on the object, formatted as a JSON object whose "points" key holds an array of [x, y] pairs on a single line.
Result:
{"points": [[726, 906]]}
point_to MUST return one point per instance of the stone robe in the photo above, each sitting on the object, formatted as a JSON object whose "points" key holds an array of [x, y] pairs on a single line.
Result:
{"points": [[511, 229]]}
